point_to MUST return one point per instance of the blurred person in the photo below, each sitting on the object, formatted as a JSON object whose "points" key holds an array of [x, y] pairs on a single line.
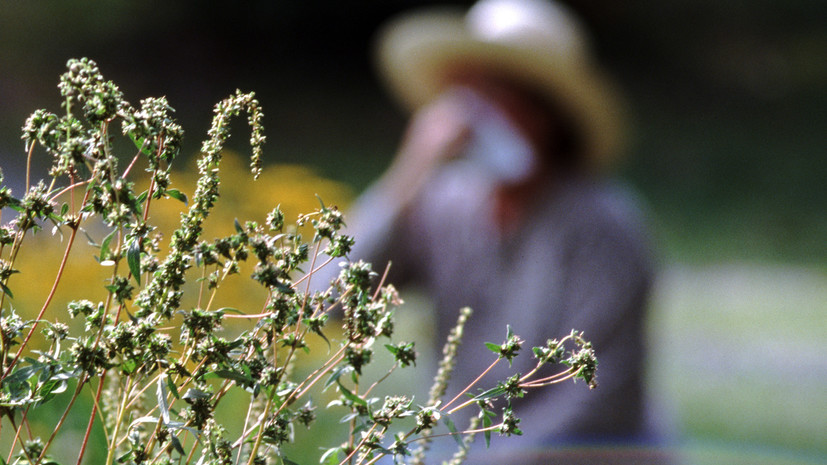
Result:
{"points": [[500, 199]]}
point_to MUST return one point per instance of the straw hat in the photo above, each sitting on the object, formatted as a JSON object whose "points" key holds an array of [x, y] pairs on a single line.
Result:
{"points": [[534, 43]]}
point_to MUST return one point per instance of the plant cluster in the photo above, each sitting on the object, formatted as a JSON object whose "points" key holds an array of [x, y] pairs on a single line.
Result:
{"points": [[156, 368]]}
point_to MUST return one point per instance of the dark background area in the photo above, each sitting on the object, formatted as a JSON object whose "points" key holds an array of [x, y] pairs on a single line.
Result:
{"points": [[728, 97]]}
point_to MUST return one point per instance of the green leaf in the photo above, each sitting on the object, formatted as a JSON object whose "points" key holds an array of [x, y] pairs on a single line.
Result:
{"points": [[131, 317], [172, 387], [176, 444], [334, 377], [50, 388], [331, 456], [493, 347], [486, 422], [177, 195], [351, 396], [146, 419], [238, 227], [161, 394], [6, 290], [196, 433], [22, 374], [319, 333], [133, 258], [123, 458], [105, 253], [348, 417], [230, 310], [15, 205], [139, 144], [55, 218], [490, 394], [453, 429], [195, 394], [235, 376], [128, 366]]}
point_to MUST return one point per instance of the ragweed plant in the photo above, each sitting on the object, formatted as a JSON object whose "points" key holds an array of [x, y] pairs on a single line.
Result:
{"points": [[152, 347]]}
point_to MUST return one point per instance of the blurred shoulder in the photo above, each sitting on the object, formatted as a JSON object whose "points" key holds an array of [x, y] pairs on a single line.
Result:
{"points": [[602, 208]]}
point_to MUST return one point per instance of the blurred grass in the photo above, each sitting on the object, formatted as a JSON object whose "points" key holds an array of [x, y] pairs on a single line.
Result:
{"points": [[739, 354]]}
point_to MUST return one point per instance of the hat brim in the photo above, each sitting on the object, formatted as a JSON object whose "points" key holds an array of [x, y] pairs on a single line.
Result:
{"points": [[418, 56]]}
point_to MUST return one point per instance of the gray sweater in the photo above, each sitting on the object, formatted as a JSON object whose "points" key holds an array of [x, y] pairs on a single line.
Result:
{"points": [[581, 261]]}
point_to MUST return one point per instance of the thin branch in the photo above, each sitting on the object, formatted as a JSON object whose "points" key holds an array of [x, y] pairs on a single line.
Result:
{"points": [[485, 372], [45, 304]]}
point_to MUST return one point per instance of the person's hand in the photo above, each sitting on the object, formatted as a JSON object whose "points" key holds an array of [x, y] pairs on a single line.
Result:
{"points": [[437, 132]]}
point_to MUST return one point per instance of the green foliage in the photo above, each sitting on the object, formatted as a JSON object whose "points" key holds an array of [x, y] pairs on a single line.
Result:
{"points": [[158, 369]]}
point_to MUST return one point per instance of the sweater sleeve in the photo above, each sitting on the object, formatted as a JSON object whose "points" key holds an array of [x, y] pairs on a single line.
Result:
{"points": [[608, 274]]}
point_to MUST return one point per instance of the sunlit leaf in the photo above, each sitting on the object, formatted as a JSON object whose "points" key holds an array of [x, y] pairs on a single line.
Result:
{"points": [[105, 254], [177, 195], [351, 396], [161, 394], [133, 258], [493, 347], [331, 456]]}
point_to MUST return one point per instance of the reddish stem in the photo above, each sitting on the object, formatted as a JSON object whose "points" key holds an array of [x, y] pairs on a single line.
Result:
{"points": [[91, 418], [45, 305]]}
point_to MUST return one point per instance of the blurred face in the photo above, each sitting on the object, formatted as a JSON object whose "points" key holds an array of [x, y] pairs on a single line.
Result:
{"points": [[530, 116], [537, 125]]}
